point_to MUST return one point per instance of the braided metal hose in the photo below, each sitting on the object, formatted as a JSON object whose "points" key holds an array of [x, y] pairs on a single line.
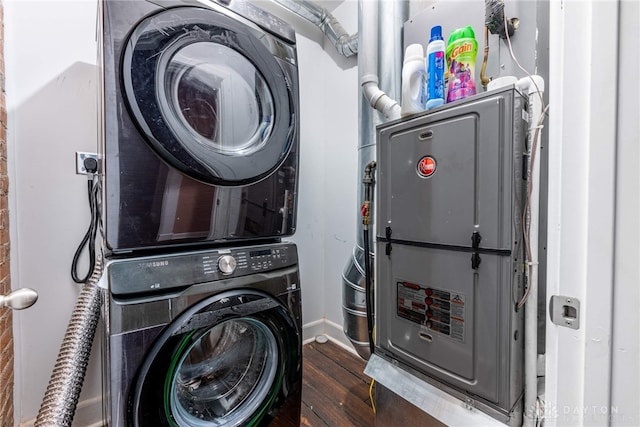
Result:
{"points": [[61, 398]]}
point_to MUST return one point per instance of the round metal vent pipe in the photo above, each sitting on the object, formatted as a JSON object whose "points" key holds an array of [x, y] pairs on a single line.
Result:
{"points": [[379, 61], [345, 44]]}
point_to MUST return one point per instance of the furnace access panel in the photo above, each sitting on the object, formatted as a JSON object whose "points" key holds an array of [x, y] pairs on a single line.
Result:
{"points": [[450, 193]]}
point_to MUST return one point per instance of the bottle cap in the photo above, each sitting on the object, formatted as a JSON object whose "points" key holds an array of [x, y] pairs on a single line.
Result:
{"points": [[462, 33], [414, 52], [436, 33]]}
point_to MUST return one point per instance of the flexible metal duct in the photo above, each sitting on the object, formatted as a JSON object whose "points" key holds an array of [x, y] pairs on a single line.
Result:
{"points": [[346, 45], [379, 60], [61, 398]]}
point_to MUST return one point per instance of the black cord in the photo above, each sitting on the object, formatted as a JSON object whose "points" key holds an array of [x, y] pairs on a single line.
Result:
{"points": [[368, 290], [89, 239], [366, 219]]}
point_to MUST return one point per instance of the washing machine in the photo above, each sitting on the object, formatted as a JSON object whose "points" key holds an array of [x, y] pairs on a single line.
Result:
{"points": [[204, 338], [200, 124]]}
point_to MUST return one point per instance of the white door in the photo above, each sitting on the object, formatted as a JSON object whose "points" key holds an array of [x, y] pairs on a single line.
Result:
{"points": [[593, 373]]}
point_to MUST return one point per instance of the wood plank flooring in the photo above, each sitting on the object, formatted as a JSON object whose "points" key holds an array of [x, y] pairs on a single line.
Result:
{"points": [[335, 392]]}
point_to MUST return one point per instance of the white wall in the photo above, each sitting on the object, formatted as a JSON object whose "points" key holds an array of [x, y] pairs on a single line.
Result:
{"points": [[625, 372], [341, 182], [51, 97], [332, 119]]}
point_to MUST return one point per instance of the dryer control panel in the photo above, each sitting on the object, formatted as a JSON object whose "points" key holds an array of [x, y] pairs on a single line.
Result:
{"points": [[160, 273]]}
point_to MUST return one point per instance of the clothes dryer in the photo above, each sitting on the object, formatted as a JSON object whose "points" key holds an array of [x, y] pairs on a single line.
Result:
{"points": [[200, 120], [204, 338]]}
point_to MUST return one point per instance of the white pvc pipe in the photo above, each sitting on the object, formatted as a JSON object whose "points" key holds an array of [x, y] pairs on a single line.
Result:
{"points": [[534, 87], [369, 61]]}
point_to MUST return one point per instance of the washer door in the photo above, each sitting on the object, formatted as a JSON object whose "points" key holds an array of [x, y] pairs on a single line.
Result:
{"points": [[230, 360], [208, 95]]}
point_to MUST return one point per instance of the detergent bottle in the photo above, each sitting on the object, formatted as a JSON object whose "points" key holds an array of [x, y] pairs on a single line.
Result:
{"points": [[413, 75], [462, 49], [435, 69]]}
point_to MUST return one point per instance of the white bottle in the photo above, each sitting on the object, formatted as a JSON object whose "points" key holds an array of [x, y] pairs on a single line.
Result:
{"points": [[413, 78], [435, 69]]}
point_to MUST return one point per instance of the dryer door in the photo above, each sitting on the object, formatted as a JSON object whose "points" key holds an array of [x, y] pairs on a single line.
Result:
{"points": [[209, 95], [230, 360]]}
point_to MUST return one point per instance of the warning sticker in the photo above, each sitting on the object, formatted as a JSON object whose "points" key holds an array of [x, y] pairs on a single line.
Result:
{"points": [[457, 316], [439, 310]]}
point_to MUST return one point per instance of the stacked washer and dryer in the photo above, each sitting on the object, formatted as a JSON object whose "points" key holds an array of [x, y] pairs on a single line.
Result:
{"points": [[200, 123]]}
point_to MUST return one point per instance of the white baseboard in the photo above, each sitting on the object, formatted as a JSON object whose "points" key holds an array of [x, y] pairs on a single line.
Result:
{"points": [[88, 414], [331, 330]]}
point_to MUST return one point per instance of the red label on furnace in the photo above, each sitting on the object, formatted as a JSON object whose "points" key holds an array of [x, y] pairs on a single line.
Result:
{"points": [[426, 166]]}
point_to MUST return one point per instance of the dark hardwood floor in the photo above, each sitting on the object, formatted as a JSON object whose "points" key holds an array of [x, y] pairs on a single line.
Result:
{"points": [[335, 391]]}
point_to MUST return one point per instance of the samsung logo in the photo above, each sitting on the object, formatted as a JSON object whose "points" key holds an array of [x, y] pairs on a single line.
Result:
{"points": [[153, 264]]}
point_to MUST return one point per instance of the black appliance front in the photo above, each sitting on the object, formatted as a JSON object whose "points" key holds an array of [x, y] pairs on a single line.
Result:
{"points": [[200, 124], [225, 361], [225, 352]]}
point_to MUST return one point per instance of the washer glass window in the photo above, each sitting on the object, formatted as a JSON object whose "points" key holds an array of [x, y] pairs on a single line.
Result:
{"points": [[224, 376]]}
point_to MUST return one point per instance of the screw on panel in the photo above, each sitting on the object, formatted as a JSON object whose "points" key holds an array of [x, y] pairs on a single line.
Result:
{"points": [[469, 403]]}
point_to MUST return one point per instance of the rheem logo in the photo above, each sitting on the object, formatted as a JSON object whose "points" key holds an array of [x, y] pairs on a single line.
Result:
{"points": [[426, 166]]}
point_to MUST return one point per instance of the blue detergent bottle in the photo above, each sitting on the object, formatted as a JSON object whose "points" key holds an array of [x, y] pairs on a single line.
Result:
{"points": [[435, 59]]}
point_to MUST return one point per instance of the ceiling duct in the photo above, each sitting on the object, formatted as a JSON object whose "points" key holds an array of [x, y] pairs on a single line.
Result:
{"points": [[345, 44]]}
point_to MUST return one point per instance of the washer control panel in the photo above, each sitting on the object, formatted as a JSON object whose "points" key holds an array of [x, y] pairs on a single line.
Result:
{"points": [[267, 259], [162, 272]]}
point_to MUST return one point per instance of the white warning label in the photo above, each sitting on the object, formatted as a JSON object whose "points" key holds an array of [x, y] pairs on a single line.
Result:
{"points": [[439, 310], [457, 316]]}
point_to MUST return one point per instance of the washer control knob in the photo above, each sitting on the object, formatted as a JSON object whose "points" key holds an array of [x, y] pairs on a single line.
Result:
{"points": [[227, 264]]}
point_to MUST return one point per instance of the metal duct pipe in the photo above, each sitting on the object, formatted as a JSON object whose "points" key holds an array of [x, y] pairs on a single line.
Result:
{"points": [[61, 398], [377, 61], [345, 44]]}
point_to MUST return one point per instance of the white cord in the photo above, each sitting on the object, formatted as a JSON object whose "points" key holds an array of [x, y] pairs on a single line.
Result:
{"points": [[545, 108], [525, 227]]}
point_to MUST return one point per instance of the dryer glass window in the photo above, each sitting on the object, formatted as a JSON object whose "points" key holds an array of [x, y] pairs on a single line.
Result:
{"points": [[217, 98], [213, 97], [225, 375]]}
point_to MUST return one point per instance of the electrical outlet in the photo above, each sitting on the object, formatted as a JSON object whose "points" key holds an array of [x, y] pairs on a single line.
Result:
{"points": [[81, 156]]}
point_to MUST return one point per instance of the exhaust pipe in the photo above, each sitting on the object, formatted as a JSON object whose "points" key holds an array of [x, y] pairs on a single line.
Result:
{"points": [[345, 44], [379, 60]]}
